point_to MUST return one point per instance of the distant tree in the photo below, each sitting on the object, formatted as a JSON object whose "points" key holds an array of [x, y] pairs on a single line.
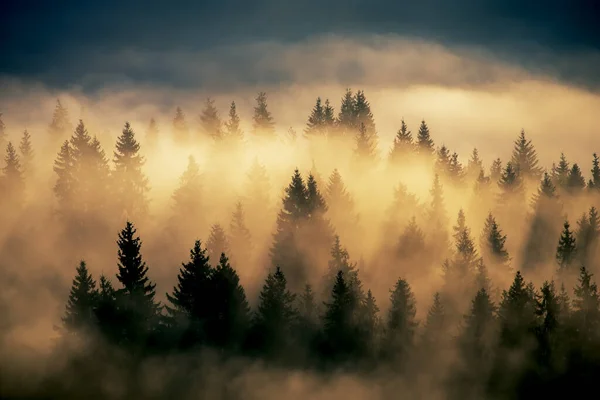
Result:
{"points": [[524, 158], [233, 132], [575, 181], [339, 261], [329, 121], [152, 134], [595, 180], [138, 292], [475, 165], [560, 173], [275, 315], [26, 155], [190, 302], [364, 116], [586, 309], [412, 246], [496, 170], [229, 309], [403, 145], [401, 323], [365, 150], [340, 203], [65, 183], [217, 243], [210, 121], [239, 238], [442, 162], [436, 324], [187, 198], [456, 170], [370, 327], [181, 133], [566, 250], [257, 198], [263, 123], [588, 236], [3, 134], [316, 121], [347, 121], [60, 126], [131, 184], [83, 296], [308, 317], [492, 244], [425, 146], [13, 177]]}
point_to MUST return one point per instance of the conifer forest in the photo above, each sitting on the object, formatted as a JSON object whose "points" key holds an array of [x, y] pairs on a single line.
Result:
{"points": [[216, 254]]}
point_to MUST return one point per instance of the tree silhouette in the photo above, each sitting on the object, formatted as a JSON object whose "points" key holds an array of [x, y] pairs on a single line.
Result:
{"points": [[401, 324], [566, 250], [316, 120], [575, 181], [425, 146], [403, 145], [210, 121], [347, 120], [83, 296], [217, 243], [3, 134], [524, 158], [26, 155], [263, 123], [59, 126], [13, 177], [233, 132], [239, 238]]}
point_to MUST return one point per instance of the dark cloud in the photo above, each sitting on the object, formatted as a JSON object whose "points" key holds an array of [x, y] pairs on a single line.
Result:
{"points": [[70, 42]]}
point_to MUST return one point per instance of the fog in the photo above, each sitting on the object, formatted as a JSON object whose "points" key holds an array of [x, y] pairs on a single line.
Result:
{"points": [[469, 99]]}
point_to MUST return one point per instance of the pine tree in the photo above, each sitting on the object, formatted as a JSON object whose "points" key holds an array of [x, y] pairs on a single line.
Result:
{"points": [[588, 236], [364, 116], [26, 156], [210, 121], [492, 244], [187, 198], [79, 313], [13, 177], [341, 204], [586, 308], [546, 192], [442, 163], [347, 120], [436, 323], [65, 182], [524, 158], [239, 238], [425, 146], [275, 315], [365, 150], [107, 311], [411, 245], [316, 120], [566, 250], [3, 134], [369, 326], [575, 181], [217, 243], [401, 322], [496, 170], [510, 182], [233, 131], [152, 134], [308, 314], [263, 123], [403, 144], [339, 261], [329, 122], [595, 180], [560, 174], [60, 126], [516, 314], [131, 183], [229, 309], [475, 165], [181, 132], [455, 169]]}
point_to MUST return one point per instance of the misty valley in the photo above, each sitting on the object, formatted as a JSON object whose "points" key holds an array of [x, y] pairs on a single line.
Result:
{"points": [[199, 259]]}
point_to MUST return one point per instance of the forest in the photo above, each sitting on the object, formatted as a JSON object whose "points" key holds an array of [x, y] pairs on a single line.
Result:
{"points": [[279, 258]]}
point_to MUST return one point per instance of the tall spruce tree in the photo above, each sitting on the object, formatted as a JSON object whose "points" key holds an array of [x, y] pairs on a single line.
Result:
{"points": [[82, 302], [442, 162], [595, 179], [575, 182], [560, 174], [217, 243], [586, 309], [316, 120], [233, 132], [524, 158], [340, 203], [229, 309], [425, 145], [347, 121], [588, 236], [566, 250], [188, 197], [401, 323], [131, 184], [475, 165], [403, 145], [492, 244], [60, 126], [364, 116], [339, 261], [436, 324], [329, 121], [181, 133], [26, 155], [65, 182], [13, 177], [210, 121], [263, 123], [496, 170], [365, 150]]}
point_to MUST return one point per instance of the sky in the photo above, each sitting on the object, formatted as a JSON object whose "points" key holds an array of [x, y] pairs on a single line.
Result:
{"points": [[65, 43]]}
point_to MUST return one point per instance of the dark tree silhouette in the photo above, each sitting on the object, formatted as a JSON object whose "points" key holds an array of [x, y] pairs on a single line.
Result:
{"points": [[82, 302], [566, 250], [26, 155], [425, 146], [401, 323], [524, 158]]}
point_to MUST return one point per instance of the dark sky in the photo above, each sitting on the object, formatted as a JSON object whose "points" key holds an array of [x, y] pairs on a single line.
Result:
{"points": [[52, 41]]}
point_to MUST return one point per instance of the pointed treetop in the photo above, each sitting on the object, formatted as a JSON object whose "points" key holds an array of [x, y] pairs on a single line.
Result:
{"points": [[263, 123], [566, 249], [524, 157], [424, 143], [210, 120], [232, 126]]}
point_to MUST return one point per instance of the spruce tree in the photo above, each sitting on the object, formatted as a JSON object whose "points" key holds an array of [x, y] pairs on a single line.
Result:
{"points": [[575, 181], [347, 121], [370, 326], [524, 158], [560, 174], [180, 128], [233, 132], [496, 170], [65, 182], [239, 238], [442, 162], [551, 330], [59, 126], [436, 324], [339, 261], [152, 134], [588, 236], [510, 183], [401, 322], [263, 123], [595, 180], [131, 184], [229, 309], [13, 176], [316, 121], [275, 315], [546, 192], [364, 116], [403, 144], [492, 244], [210, 121], [411, 245], [191, 301], [455, 169], [475, 165], [308, 316], [365, 150], [188, 197], [339, 201], [81, 305], [425, 146], [586, 308], [26, 155], [329, 121], [566, 250], [217, 243], [3, 134]]}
